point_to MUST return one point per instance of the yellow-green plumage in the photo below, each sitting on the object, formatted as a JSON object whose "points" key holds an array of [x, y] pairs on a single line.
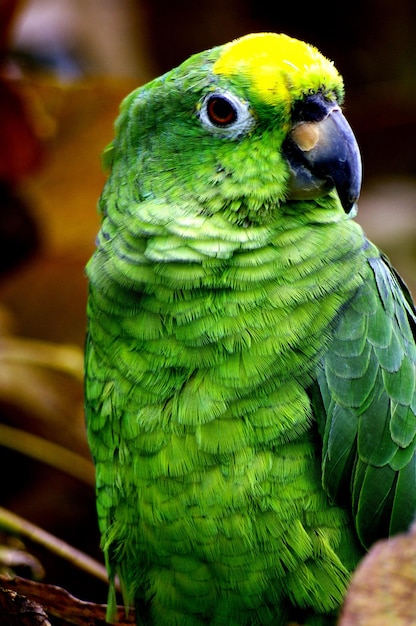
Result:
{"points": [[217, 291]]}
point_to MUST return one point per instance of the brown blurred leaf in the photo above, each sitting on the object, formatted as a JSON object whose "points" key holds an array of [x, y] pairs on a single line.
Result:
{"points": [[63, 195], [42, 382], [65, 191], [383, 589], [18, 230], [20, 148]]}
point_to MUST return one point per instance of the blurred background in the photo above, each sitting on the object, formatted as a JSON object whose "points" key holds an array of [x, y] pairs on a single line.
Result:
{"points": [[64, 67]]}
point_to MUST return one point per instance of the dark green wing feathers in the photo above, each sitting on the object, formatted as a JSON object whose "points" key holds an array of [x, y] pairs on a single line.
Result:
{"points": [[367, 383]]}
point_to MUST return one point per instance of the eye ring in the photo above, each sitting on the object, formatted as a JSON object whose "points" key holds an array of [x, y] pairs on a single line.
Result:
{"points": [[225, 115]]}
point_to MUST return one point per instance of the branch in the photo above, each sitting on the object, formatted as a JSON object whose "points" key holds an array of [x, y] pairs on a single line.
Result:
{"points": [[57, 602], [45, 451], [19, 526], [64, 358]]}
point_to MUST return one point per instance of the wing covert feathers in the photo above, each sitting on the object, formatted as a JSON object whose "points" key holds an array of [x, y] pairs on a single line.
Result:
{"points": [[367, 383]]}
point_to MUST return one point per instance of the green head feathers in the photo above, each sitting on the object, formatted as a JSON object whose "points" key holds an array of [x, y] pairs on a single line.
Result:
{"points": [[209, 133]]}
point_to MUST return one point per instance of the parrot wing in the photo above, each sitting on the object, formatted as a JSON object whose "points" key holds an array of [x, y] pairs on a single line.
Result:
{"points": [[365, 403]]}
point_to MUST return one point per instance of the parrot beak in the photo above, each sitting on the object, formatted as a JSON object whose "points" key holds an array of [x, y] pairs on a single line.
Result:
{"points": [[322, 155]]}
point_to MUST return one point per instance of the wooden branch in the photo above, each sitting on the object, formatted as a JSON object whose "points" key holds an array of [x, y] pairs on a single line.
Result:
{"points": [[57, 603], [17, 525]]}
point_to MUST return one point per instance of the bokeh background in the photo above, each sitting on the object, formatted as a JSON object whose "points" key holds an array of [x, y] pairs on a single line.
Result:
{"points": [[64, 67]]}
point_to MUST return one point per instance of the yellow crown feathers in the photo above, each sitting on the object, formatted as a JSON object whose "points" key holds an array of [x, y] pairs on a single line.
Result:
{"points": [[277, 65]]}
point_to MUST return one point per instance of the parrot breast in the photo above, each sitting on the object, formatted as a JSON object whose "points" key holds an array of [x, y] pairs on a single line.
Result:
{"points": [[201, 349]]}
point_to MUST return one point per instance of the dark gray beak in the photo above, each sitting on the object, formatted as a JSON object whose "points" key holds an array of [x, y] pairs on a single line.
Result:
{"points": [[323, 154]]}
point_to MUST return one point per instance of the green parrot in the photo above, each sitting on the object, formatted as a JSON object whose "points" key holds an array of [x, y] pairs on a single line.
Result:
{"points": [[250, 356]]}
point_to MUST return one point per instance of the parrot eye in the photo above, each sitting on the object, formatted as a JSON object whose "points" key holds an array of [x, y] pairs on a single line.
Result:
{"points": [[221, 111], [225, 115]]}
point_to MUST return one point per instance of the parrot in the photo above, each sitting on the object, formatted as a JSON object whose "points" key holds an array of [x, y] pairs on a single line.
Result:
{"points": [[250, 358]]}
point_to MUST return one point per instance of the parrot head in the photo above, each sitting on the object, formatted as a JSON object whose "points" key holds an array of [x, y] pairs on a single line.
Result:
{"points": [[244, 128]]}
